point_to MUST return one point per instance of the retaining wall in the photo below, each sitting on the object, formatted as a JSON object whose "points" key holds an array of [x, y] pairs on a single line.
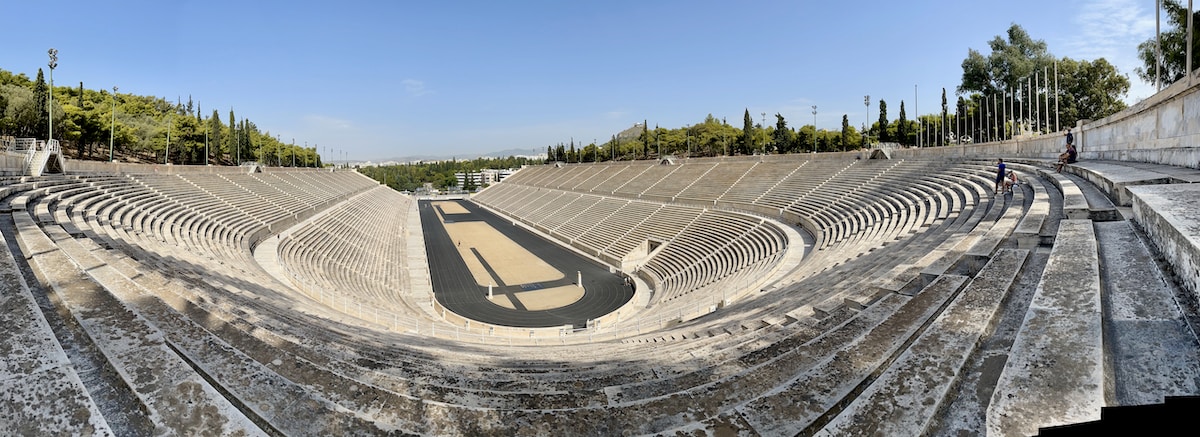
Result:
{"points": [[1163, 129]]}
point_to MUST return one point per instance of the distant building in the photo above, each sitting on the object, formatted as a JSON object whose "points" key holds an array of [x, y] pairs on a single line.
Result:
{"points": [[482, 178]]}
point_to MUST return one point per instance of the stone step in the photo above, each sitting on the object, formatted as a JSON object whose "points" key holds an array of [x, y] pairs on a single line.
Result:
{"points": [[904, 399], [1055, 370], [175, 396], [806, 398], [40, 392], [1173, 226], [1075, 205], [1154, 351]]}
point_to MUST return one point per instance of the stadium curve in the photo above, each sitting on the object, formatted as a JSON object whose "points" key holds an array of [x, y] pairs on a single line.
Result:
{"points": [[133, 303]]}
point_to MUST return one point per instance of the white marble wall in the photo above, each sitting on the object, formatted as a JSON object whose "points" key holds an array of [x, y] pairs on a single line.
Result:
{"points": [[1164, 129]]}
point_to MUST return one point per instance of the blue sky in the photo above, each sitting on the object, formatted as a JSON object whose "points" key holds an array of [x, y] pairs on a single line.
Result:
{"points": [[382, 79]]}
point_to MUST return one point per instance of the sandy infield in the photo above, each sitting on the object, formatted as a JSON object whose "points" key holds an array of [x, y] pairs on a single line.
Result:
{"points": [[544, 299], [451, 208], [512, 263]]}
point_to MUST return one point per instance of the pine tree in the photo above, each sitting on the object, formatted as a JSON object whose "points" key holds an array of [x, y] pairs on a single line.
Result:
{"points": [[902, 127]]}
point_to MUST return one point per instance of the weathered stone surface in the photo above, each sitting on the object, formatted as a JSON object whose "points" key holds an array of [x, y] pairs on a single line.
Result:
{"points": [[796, 405], [1170, 215], [1055, 371], [40, 393], [905, 398], [1154, 352], [178, 399]]}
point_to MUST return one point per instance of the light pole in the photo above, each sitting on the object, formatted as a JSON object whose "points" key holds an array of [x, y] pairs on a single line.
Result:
{"points": [[53, 52], [814, 128], [764, 129], [687, 131], [867, 103], [112, 129], [167, 152]]}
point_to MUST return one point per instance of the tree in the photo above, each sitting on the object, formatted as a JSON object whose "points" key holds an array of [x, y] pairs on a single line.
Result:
{"points": [[41, 99], [941, 141], [845, 132], [1096, 85], [645, 139], [1089, 90], [214, 135], [883, 122], [231, 145], [960, 111], [747, 133], [902, 126], [1008, 65], [783, 137], [1174, 46]]}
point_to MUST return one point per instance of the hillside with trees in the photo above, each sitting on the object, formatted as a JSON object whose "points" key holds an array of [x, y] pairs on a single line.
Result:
{"points": [[139, 128]]}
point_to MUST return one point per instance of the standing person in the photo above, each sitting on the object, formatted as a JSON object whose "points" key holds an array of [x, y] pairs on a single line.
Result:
{"points": [[1000, 173], [1070, 138]]}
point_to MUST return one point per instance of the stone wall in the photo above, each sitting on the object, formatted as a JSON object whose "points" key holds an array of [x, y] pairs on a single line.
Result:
{"points": [[1163, 129]]}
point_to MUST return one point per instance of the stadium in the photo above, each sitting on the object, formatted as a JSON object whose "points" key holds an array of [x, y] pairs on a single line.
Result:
{"points": [[873, 292]]}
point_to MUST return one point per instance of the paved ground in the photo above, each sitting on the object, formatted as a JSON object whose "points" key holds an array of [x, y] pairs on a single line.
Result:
{"points": [[456, 288]]}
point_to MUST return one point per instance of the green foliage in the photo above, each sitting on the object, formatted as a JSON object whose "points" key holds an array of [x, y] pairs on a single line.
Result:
{"points": [[1174, 46], [747, 143], [882, 128], [1086, 89], [1089, 90], [846, 134], [84, 121], [941, 140], [409, 177], [1009, 64], [783, 138], [40, 98]]}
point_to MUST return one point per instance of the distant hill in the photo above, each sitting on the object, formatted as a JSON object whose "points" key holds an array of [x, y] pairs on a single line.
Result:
{"points": [[466, 156], [632, 133]]}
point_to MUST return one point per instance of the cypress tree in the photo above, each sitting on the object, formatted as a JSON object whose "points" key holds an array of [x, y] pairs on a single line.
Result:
{"points": [[41, 99], [747, 132], [883, 122], [942, 137], [845, 132]]}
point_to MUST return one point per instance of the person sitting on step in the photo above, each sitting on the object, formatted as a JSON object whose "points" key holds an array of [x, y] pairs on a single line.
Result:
{"points": [[1068, 157]]}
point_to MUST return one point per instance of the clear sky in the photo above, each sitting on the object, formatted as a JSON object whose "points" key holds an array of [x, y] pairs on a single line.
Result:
{"points": [[383, 79]]}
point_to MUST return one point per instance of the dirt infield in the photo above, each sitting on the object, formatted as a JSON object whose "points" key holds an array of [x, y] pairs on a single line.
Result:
{"points": [[494, 259], [541, 300], [469, 248], [451, 208]]}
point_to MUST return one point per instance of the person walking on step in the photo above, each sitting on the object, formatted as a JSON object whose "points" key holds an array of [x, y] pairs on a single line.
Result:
{"points": [[999, 174]]}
